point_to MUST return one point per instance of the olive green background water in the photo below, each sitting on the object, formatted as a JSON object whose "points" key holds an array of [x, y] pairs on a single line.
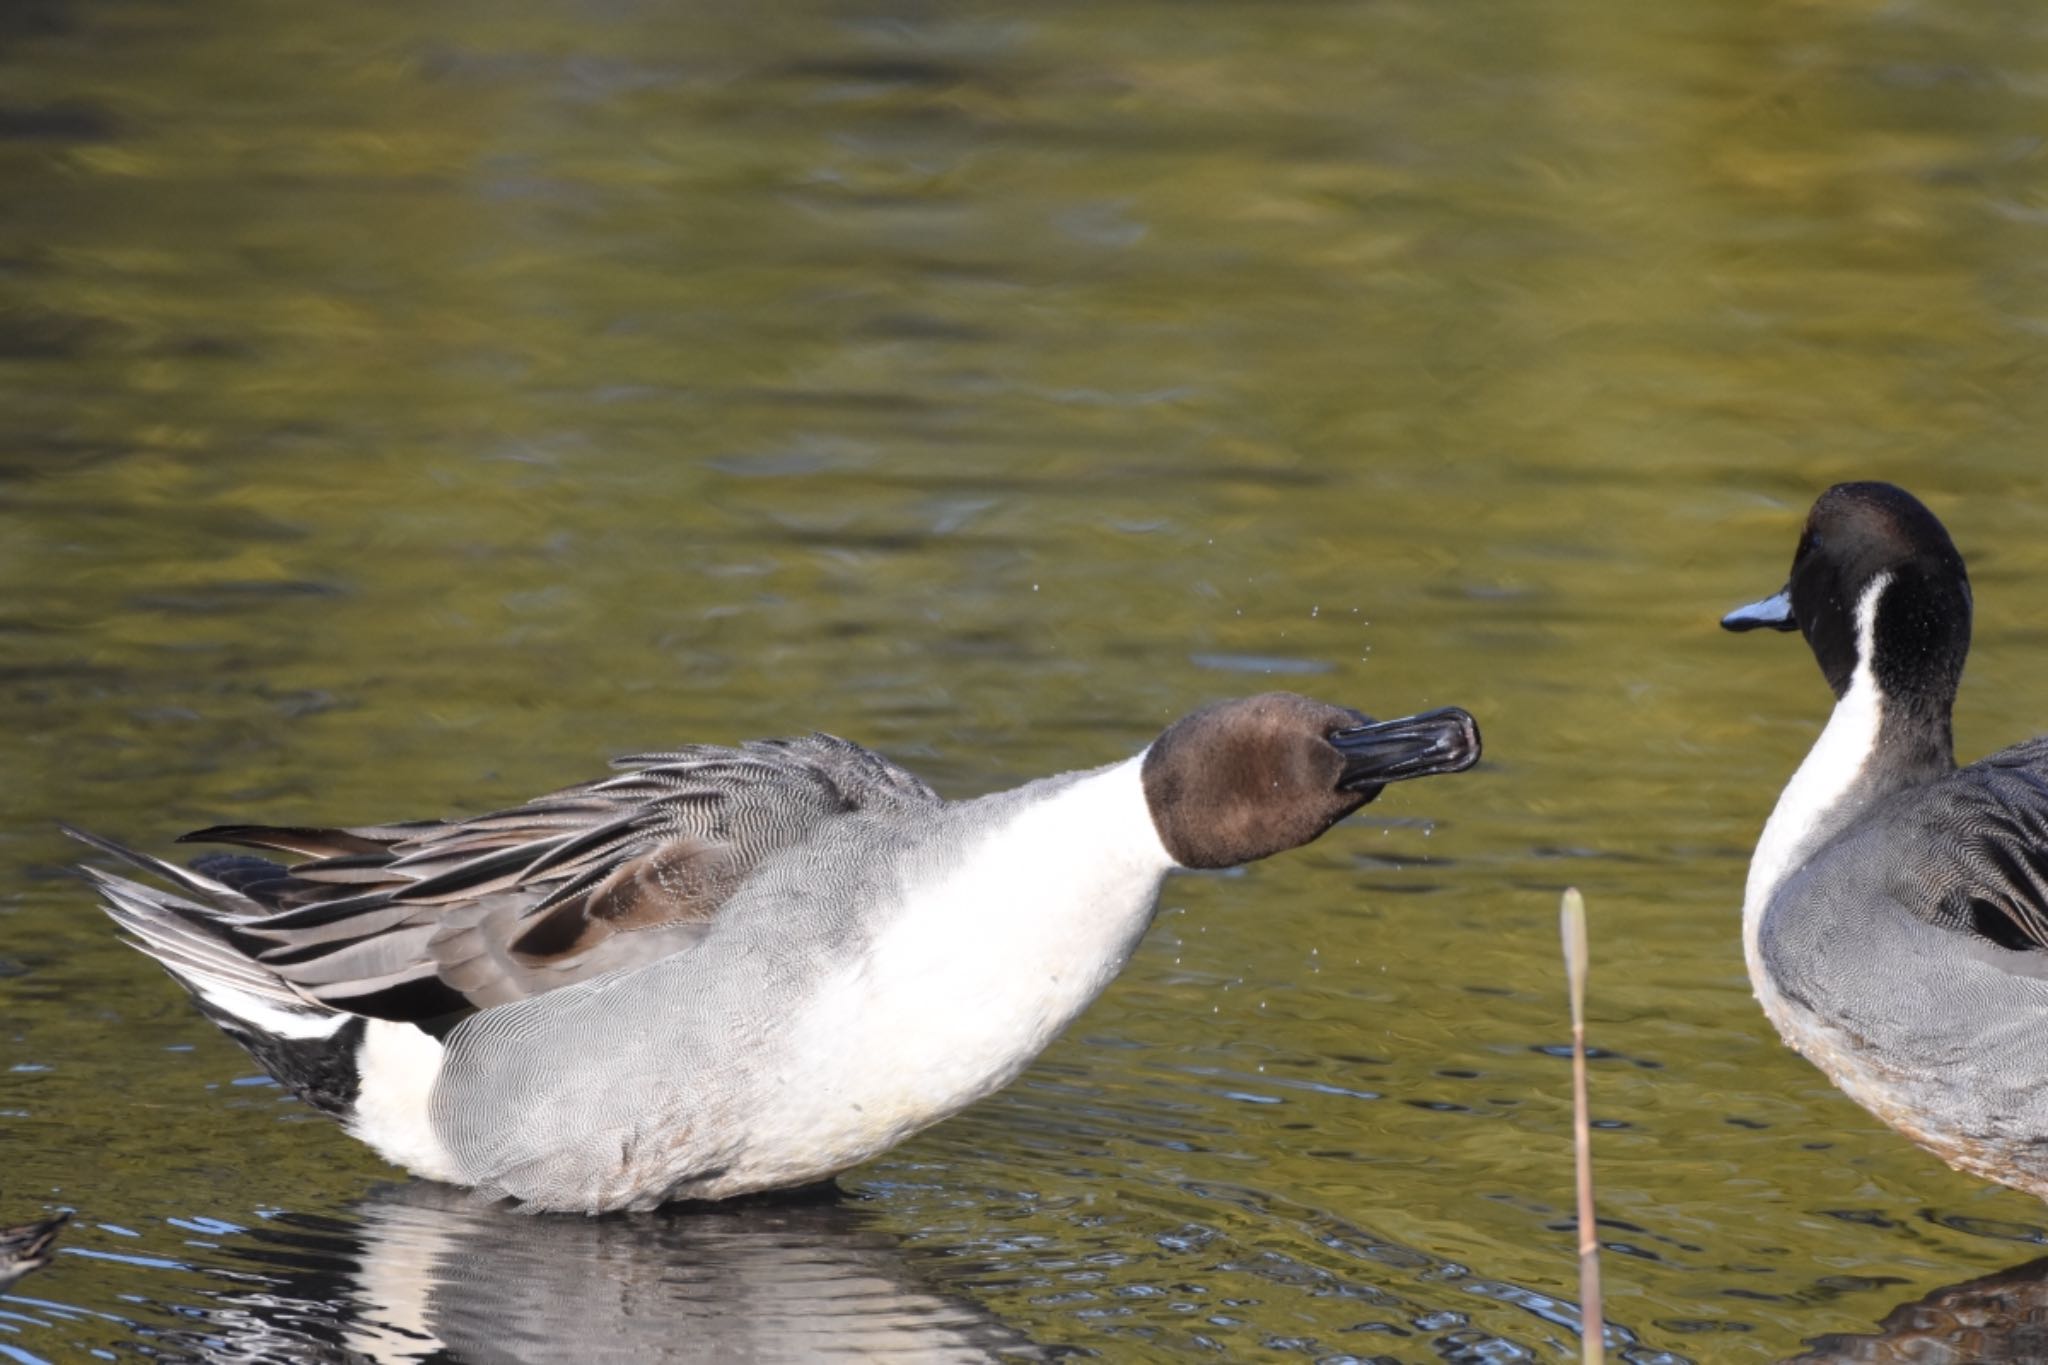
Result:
{"points": [[405, 406]]}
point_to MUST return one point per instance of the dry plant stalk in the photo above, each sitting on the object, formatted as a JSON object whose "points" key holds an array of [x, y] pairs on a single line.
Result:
{"points": [[1592, 1326]]}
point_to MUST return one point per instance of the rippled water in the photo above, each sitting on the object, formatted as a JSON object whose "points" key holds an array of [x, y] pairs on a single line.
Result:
{"points": [[403, 407]]}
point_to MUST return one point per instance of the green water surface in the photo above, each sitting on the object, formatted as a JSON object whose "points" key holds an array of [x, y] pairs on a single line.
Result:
{"points": [[405, 406]]}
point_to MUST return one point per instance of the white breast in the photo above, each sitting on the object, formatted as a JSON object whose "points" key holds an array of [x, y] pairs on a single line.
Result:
{"points": [[1831, 768], [977, 972]]}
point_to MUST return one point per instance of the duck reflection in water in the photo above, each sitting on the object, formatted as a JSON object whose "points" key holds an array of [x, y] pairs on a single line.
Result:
{"points": [[430, 1274], [1999, 1319]]}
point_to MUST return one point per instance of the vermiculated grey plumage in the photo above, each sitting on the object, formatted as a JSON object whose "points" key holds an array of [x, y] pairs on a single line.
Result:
{"points": [[425, 919], [1965, 855], [1914, 940]]}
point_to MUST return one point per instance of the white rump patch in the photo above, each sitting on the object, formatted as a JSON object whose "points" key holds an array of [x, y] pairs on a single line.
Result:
{"points": [[396, 1068]]}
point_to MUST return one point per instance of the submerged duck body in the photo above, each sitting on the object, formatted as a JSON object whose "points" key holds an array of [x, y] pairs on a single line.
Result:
{"points": [[1895, 923], [725, 970]]}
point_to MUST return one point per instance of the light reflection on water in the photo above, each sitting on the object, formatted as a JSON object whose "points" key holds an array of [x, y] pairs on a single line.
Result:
{"points": [[409, 405]]}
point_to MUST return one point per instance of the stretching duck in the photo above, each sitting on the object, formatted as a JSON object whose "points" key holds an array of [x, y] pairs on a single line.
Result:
{"points": [[1896, 918], [725, 970]]}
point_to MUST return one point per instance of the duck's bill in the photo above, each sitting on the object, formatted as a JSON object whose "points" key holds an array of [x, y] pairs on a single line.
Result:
{"points": [[1445, 741], [1773, 613]]}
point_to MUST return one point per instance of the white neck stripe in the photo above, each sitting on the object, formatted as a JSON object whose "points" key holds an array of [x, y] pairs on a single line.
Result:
{"points": [[1866, 631], [1832, 766]]}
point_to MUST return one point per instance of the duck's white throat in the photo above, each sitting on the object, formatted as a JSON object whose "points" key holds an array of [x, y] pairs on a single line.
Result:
{"points": [[1807, 809]]}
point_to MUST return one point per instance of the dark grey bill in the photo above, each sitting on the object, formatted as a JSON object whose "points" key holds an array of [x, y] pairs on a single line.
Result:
{"points": [[1773, 613], [1445, 741]]}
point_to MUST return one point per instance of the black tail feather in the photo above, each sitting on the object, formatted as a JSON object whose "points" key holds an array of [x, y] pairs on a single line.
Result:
{"points": [[320, 1071]]}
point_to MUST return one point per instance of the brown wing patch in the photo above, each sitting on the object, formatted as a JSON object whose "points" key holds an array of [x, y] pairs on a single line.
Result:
{"points": [[683, 881]]}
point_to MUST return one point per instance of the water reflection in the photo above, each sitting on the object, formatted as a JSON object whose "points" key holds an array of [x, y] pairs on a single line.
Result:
{"points": [[1993, 1320], [428, 1274]]}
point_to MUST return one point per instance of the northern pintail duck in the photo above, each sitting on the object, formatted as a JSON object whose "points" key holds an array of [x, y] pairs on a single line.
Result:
{"points": [[28, 1248], [725, 970], [1896, 917]]}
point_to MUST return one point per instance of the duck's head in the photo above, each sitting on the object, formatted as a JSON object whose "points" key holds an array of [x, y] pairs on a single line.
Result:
{"points": [[1877, 581], [1249, 778]]}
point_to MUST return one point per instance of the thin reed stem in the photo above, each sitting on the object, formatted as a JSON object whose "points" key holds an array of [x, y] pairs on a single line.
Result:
{"points": [[1593, 1329]]}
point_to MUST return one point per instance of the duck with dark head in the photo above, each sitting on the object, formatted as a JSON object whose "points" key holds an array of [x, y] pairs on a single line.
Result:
{"points": [[725, 970], [1895, 922]]}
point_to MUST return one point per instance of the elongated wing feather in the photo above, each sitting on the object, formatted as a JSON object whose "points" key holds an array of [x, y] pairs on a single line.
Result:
{"points": [[425, 919]]}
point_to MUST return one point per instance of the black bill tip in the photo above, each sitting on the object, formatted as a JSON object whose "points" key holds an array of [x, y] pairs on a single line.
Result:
{"points": [[1444, 741]]}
